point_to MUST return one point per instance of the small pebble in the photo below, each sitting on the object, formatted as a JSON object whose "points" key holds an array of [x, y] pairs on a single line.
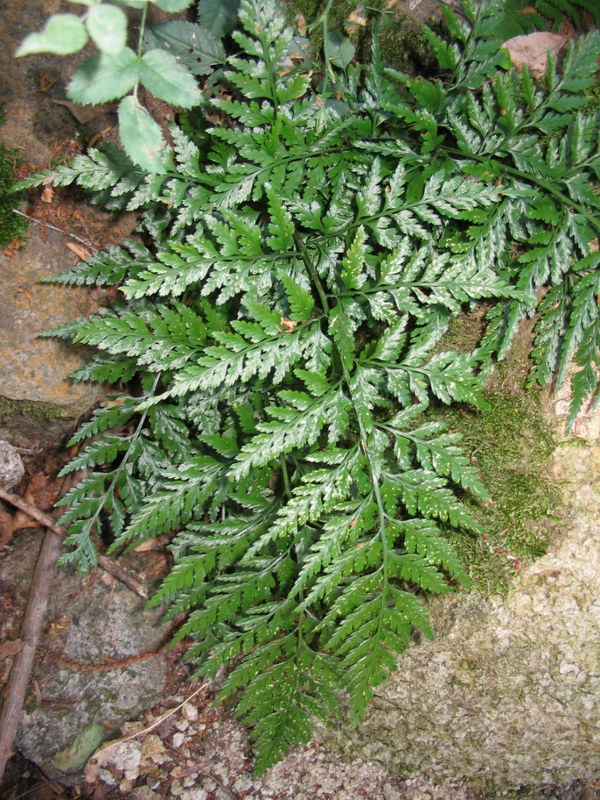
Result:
{"points": [[106, 777], [194, 794], [182, 725], [178, 739], [190, 712], [11, 466]]}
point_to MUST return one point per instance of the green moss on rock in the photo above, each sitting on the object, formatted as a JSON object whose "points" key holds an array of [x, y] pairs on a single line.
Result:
{"points": [[405, 48], [512, 443], [402, 42], [11, 225], [39, 412]]}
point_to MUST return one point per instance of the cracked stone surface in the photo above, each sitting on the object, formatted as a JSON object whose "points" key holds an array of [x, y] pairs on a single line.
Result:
{"points": [[101, 657]]}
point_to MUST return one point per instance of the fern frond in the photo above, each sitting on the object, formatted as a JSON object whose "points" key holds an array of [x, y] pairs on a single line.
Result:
{"points": [[307, 248], [183, 497]]}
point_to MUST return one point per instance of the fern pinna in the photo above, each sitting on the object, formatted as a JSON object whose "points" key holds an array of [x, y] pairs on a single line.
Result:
{"points": [[283, 335]]}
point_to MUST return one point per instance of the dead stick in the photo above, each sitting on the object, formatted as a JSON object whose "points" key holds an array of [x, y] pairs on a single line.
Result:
{"points": [[155, 724], [85, 242], [31, 629], [44, 519]]}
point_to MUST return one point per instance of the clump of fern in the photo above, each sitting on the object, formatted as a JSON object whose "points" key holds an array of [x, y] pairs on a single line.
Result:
{"points": [[307, 255]]}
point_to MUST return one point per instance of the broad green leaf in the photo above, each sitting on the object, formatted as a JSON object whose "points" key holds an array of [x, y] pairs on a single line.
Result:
{"points": [[165, 78], [218, 16], [141, 136], [107, 25], [173, 5], [88, 740], [340, 49], [104, 77], [194, 46], [132, 3], [63, 34]]}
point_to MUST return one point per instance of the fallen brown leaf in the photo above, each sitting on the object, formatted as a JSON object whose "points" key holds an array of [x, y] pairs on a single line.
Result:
{"points": [[48, 194], [10, 648], [6, 527], [151, 545], [533, 50], [14, 245], [26, 293], [301, 26], [288, 325], [358, 16], [42, 493], [46, 81], [85, 114], [80, 251]]}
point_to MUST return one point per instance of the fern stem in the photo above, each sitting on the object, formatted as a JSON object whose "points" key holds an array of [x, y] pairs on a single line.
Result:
{"points": [[374, 476], [140, 43], [328, 68], [271, 72], [142, 29], [126, 457], [524, 176], [286, 477], [312, 272]]}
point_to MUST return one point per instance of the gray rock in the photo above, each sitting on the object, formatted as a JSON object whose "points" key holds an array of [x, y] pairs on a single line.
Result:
{"points": [[104, 665], [36, 370], [11, 466], [418, 10], [102, 655]]}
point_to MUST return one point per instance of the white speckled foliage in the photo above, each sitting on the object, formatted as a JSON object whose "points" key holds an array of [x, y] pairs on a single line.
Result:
{"points": [[307, 245]]}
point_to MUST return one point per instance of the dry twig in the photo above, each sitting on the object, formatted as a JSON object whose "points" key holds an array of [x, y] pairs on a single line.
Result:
{"points": [[31, 629], [105, 563], [85, 242]]}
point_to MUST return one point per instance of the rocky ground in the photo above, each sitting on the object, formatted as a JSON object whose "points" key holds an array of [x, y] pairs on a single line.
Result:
{"points": [[103, 668]]}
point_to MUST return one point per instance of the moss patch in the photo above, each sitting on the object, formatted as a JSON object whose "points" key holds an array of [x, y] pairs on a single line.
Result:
{"points": [[11, 225], [405, 48], [403, 45], [39, 412], [512, 444]]}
